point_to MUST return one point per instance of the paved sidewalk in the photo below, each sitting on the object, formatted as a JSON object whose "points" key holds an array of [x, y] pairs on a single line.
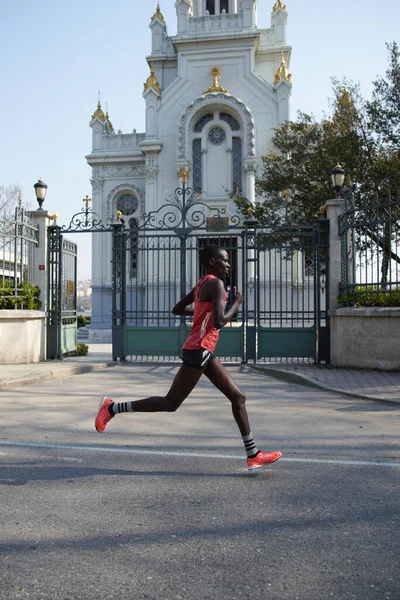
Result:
{"points": [[373, 385], [98, 358]]}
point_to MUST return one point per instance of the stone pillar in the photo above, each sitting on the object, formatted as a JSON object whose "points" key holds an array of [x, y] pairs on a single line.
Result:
{"points": [[333, 211], [43, 219]]}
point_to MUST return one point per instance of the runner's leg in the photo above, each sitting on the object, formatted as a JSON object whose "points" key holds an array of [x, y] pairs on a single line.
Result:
{"points": [[222, 380], [184, 382]]}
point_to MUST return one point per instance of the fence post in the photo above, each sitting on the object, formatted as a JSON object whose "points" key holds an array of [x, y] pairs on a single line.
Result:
{"points": [[41, 218], [333, 210]]}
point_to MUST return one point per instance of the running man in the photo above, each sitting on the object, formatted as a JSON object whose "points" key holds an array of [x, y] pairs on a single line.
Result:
{"points": [[209, 298]]}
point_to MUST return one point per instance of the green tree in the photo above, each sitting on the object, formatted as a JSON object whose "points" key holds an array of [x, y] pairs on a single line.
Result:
{"points": [[363, 137]]}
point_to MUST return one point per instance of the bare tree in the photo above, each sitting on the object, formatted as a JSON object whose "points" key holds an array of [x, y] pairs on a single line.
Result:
{"points": [[9, 195]]}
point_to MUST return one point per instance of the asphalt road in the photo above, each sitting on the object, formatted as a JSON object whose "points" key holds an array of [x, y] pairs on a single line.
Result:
{"points": [[161, 506]]}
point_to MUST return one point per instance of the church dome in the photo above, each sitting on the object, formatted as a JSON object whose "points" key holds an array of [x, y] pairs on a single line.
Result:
{"points": [[282, 72], [152, 82], [99, 114]]}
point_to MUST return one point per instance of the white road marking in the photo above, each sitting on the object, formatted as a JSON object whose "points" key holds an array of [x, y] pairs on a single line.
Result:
{"points": [[111, 449]]}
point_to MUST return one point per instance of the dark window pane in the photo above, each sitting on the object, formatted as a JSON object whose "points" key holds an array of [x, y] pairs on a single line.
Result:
{"points": [[197, 166], [203, 121], [233, 124], [210, 6], [237, 164], [224, 5]]}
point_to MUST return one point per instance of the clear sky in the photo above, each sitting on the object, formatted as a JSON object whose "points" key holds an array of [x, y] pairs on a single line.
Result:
{"points": [[56, 55]]}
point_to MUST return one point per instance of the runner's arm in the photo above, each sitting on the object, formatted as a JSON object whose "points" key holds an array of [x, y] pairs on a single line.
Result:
{"points": [[181, 308], [220, 317]]}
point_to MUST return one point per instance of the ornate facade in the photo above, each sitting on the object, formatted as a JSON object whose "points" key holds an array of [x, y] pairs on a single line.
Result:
{"points": [[215, 93]]}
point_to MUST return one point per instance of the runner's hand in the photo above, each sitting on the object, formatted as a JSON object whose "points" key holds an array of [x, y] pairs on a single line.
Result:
{"points": [[237, 296]]}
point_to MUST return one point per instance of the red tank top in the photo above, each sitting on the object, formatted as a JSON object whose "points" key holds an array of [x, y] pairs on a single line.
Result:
{"points": [[203, 334]]}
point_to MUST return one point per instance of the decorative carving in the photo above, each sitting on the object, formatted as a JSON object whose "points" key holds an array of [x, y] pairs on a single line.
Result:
{"points": [[216, 73], [217, 136], [96, 173], [124, 171], [129, 188], [250, 165], [225, 22], [215, 99], [97, 185], [151, 169]]}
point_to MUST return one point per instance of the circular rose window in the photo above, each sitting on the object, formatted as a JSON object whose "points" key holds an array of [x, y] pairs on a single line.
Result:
{"points": [[217, 136], [127, 204]]}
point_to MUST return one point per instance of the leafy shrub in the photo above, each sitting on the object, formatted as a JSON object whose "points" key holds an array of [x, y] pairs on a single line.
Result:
{"points": [[82, 349], [27, 297], [370, 295], [82, 321]]}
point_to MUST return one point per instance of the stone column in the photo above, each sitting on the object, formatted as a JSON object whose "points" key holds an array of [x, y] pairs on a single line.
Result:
{"points": [[333, 211], [43, 219]]}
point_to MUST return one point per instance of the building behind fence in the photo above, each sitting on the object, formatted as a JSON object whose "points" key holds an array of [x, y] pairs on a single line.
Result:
{"points": [[19, 238]]}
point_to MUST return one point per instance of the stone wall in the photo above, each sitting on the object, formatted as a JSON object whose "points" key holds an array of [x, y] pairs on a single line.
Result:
{"points": [[365, 338], [22, 334]]}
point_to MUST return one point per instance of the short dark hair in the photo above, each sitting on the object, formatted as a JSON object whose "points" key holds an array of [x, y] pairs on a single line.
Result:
{"points": [[208, 252]]}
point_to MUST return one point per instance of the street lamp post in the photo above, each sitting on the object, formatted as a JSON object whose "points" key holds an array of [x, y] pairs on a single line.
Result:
{"points": [[40, 191], [338, 175]]}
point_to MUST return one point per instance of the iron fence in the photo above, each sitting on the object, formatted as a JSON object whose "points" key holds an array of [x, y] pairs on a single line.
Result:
{"points": [[370, 244], [18, 240]]}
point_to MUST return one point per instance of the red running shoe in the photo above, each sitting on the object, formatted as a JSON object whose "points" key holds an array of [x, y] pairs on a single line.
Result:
{"points": [[103, 416], [262, 459]]}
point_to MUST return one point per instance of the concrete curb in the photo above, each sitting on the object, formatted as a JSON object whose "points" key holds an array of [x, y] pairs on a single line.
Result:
{"points": [[305, 380], [54, 374]]}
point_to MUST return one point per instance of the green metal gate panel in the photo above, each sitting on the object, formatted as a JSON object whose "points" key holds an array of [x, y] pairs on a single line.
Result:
{"points": [[155, 341], [287, 342], [231, 343]]}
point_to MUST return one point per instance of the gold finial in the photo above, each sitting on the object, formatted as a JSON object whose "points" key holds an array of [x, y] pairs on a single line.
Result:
{"points": [[53, 217], [152, 82], [109, 124], [279, 4], [158, 15], [87, 200], [282, 72], [184, 174], [286, 194], [119, 214], [215, 87], [98, 114]]}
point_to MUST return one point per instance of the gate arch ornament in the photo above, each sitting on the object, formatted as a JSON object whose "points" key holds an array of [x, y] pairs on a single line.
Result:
{"points": [[225, 100]]}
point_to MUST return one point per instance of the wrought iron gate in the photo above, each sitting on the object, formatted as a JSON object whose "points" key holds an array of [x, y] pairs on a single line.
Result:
{"points": [[281, 273], [62, 259]]}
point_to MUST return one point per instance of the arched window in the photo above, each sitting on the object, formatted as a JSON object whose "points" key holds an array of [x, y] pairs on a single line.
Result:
{"points": [[234, 125], [128, 204], [210, 7], [217, 154], [202, 122], [224, 6]]}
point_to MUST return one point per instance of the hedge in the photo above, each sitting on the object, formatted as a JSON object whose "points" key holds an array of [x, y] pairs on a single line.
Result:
{"points": [[25, 296]]}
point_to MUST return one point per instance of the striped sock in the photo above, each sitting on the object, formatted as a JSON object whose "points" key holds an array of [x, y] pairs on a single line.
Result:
{"points": [[251, 448], [121, 407]]}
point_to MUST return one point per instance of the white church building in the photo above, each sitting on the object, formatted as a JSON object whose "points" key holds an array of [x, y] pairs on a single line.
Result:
{"points": [[215, 92]]}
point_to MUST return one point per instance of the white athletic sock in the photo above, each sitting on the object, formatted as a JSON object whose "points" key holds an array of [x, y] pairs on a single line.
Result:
{"points": [[122, 407], [251, 448]]}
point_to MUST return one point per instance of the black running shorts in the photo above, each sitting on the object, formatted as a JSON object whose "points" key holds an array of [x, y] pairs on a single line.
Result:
{"points": [[198, 359]]}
